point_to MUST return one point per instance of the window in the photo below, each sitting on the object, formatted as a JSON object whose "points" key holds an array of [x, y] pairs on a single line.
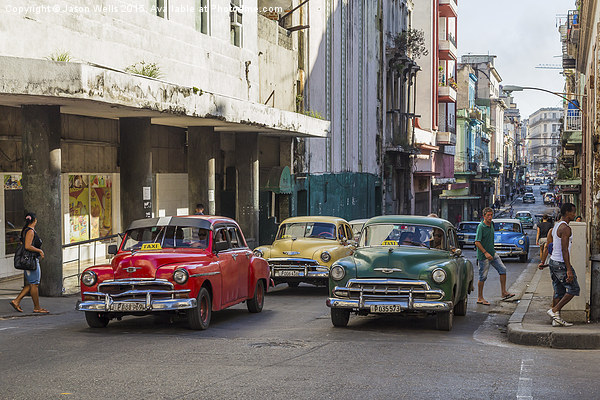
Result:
{"points": [[162, 8], [90, 207], [220, 236], [235, 239], [235, 16], [203, 16], [545, 128]]}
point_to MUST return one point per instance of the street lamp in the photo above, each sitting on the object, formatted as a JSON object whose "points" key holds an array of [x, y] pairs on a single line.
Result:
{"points": [[515, 88]]}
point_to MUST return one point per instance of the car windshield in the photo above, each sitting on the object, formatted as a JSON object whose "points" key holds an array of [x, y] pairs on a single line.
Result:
{"points": [[507, 227], [321, 230], [403, 235], [356, 228], [467, 228], [528, 194], [523, 215], [166, 237]]}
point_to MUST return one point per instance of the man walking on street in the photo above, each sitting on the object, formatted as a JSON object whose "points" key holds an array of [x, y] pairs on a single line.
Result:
{"points": [[486, 256], [563, 275]]}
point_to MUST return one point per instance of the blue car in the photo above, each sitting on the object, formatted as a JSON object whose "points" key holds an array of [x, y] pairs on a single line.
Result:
{"points": [[466, 231], [510, 240]]}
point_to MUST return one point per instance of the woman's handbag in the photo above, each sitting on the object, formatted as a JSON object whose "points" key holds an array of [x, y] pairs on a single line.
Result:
{"points": [[24, 259]]}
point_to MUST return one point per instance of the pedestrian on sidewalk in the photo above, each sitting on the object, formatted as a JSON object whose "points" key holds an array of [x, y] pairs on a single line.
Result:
{"points": [[32, 243], [564, 280], [486, 256], [542, 232]]}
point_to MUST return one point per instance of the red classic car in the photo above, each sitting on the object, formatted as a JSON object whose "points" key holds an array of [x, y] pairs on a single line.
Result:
{"points": [[187, 266]]}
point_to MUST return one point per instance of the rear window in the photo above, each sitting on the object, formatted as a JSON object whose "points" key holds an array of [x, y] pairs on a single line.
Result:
{"points": [[468, 228]]}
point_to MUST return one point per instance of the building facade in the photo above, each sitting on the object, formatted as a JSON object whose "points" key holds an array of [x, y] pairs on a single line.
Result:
{"points": [[543, 133], [131, 110]]}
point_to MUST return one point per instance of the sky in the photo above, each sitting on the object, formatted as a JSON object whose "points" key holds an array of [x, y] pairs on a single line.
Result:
{"points": [[522, 34]]}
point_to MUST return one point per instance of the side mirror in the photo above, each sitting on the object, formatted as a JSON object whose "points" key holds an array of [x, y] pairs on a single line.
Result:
{"points": [[220, 246], [112, 249], [457, 252]]}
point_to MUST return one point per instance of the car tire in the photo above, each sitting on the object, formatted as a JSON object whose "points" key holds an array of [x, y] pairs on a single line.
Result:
{"points": [[199, 317], [255, 304], [293, 285], [460, 308], [340, 317], [443, 320], [523, 258], [96, 319]]}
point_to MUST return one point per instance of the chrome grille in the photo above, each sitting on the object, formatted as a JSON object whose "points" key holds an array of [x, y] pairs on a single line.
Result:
{"points": [[506, 247], [137, 289], [389, 289], [291, 263]]}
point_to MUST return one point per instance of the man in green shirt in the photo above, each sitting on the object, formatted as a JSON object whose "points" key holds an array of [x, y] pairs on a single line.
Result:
{"points": [[486, 256]]}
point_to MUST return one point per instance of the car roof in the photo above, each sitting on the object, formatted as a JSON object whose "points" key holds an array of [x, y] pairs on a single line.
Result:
{"points": [[469, 222], [315, 218], [523, 212], [196, 221], [512, 220], [410, 219]]}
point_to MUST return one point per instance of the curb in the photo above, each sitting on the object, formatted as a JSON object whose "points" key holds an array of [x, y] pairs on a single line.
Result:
{"points": [[545, 338]]}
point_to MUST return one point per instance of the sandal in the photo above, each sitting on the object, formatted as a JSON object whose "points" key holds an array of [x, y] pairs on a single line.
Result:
{"points": [[483, 302], [15, 306], [41, 311]]}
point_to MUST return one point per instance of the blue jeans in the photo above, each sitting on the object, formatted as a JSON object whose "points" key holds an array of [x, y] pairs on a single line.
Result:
{"points": [[558, 271], [33, 276], [484, 267]]}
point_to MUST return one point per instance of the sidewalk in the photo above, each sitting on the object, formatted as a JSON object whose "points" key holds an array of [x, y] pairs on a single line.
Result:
{"points": [[530, 325]]}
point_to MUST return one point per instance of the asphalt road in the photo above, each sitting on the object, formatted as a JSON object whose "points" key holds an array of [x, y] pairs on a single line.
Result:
{"points": [[291, 350]]}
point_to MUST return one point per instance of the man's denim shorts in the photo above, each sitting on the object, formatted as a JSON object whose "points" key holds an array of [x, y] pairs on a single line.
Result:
{"points": [[33, 276], [484, 267], [558, 271]]}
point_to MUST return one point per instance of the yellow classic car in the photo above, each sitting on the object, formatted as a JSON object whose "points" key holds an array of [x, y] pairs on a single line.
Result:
{"points": [[305, 248]]}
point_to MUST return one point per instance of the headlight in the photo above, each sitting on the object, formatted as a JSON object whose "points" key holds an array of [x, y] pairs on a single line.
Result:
{"points": [[258, 253], [438, 275], [337, 272], [325, 256], [89, 278], [521, 241], [180, 276]]}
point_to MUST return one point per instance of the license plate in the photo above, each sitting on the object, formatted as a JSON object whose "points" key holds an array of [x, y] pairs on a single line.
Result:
{"points": [[287, 273], [392, 308], [123, 307]]}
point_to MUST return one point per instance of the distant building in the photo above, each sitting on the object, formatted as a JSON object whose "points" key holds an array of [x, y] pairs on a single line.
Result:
{"points": [[543, 139]]}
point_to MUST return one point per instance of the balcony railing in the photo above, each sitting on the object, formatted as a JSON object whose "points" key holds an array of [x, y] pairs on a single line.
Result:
{"points": [[573, 120]]}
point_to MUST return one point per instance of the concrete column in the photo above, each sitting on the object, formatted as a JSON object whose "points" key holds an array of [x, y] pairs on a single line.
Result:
{"points": [[246, 149], [41, 127], [575, 309], [204, 147], [135, 169]]}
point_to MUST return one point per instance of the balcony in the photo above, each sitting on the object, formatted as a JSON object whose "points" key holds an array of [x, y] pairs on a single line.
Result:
{"points": [[447, 49], [572, 120], [446, 138], [448, 8], [446, 94]]}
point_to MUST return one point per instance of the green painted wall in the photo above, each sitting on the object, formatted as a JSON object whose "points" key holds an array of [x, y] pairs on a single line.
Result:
{"points": [[347, 195]]}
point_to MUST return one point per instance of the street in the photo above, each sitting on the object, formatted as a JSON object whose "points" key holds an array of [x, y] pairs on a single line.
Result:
{"points": [[291, 350]]}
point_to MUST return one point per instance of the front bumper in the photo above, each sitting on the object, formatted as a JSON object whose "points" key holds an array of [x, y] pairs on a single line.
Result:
{"points": [[511, 253], [368, 295], [297, 269], [144, 301]]}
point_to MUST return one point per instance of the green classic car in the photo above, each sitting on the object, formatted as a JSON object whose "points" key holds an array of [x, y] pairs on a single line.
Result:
{"points": [[403, 265]]}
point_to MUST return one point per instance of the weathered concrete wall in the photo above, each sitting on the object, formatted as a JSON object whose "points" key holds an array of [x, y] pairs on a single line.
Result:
{"points": [[278, 65], [127, 32], [427, 78]]}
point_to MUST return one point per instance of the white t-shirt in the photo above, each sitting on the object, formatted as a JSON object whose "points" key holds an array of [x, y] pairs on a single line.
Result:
{"points": [[557, 244]]}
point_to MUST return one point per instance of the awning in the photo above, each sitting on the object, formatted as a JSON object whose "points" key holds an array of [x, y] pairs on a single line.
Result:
{"points": [[485, 180], [568, 182], [279, 180]]}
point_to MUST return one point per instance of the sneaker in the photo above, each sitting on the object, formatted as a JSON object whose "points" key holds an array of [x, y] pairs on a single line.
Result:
{"points": [[561, 322], [552, 314], [555, 323]]}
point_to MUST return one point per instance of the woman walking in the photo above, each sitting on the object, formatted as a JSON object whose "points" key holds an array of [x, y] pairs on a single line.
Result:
{"points": [[32, 243]]}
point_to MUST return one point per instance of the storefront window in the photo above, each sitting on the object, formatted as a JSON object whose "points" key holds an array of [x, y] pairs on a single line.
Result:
{"points": [[79, 204], [90, 207], [100, 206], [13, 211]]}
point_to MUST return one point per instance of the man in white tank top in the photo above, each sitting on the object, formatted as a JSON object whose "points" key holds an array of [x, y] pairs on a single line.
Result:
{"points": [[563, 275]]}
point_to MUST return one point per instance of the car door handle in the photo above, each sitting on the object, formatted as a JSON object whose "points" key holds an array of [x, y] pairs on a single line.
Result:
{"points": [[234, 256]]}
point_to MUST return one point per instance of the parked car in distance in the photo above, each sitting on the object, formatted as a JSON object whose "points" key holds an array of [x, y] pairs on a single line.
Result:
{"points": [[306, 247], [526, 218], [510, 240], [528, 189], [403, 265], [528, 198], [537, 181], [549, 198], [543, 189], [175, 266], [357, 225], [466, 232]]}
